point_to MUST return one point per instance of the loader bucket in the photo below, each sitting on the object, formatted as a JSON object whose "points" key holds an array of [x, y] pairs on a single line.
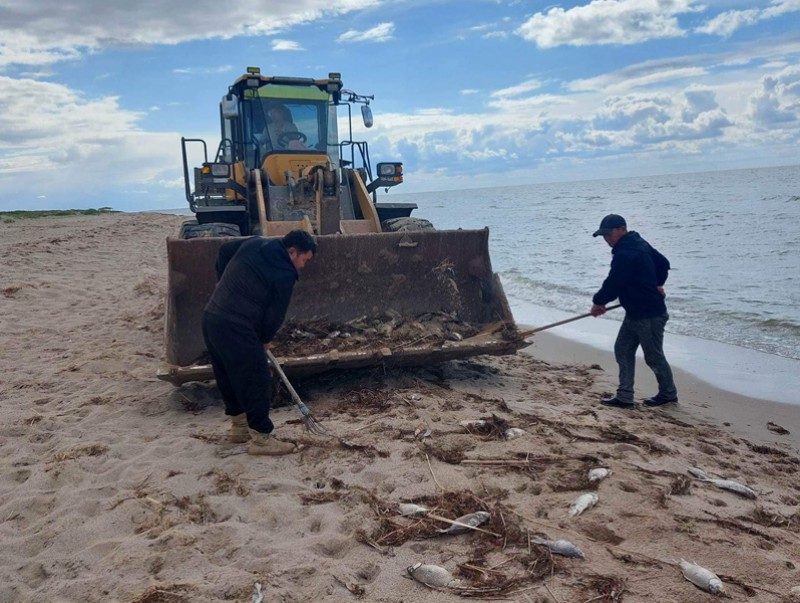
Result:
{"points": [[364, 299]]}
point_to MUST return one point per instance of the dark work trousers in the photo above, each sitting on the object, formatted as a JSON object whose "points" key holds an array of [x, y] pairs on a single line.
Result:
{"points": [[648, 333], [241, 370]]}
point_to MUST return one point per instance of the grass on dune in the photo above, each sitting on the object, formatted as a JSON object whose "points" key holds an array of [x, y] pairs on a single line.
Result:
{"points": [[11, 216]]}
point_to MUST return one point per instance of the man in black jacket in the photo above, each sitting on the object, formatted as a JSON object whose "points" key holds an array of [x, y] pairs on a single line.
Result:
{"points": [[637, 277], [256, 278]]}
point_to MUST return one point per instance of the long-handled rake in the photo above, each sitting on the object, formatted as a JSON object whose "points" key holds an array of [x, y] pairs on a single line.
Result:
{"points": [[526, 334], [309, 421]]}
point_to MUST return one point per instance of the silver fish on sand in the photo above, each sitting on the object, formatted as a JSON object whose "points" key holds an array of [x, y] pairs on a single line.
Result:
{"points": [[432, 575], [598, 473], [583, 502], [560, 547], [702, 578], [471, 519], [411, 510], [698, 473], [724, 484], [472, 423]]}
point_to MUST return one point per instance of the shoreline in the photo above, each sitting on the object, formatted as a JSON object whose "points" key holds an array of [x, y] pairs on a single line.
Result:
{"points": [[729, 368], [745, 415]]}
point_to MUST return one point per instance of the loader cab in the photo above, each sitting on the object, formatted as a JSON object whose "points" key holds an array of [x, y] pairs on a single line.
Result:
{"points": [[279, 124], [281, 162]]}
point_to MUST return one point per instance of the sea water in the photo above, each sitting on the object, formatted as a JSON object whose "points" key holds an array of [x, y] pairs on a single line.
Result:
{"points": [[732, 238]]}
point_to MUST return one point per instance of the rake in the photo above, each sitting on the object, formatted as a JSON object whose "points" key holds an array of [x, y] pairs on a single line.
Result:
{"points": [[311, 423], [526, 334]]}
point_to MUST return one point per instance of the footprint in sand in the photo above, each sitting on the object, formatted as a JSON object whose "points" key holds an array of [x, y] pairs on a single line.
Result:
{"points": [[335, 548], [369, 573]]}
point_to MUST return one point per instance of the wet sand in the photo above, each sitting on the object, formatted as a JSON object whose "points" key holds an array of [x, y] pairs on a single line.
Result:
{"points": [[757, 419]]}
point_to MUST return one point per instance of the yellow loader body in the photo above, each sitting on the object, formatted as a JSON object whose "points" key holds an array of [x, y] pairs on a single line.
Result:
{"points": [[377, 292]]}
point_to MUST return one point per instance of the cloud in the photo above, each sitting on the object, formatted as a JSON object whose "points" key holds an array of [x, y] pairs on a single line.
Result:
{"points": [[525, 130], [777, 102], [606, 22], [59, 144], [728, 22], [279, 45], [638, 119], [637, 77], [380, 33], [203, 70], [48, 31], [522, 88]]}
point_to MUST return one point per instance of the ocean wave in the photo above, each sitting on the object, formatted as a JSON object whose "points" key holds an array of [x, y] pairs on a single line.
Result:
{"points": [[780, 324]]}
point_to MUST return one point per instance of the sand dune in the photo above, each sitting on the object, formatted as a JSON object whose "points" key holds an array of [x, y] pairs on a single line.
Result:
{"points": [[116, 487]]}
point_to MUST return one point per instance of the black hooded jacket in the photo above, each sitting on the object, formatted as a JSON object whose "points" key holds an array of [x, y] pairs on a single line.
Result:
{"points": [[256, 279], [637, 270]]}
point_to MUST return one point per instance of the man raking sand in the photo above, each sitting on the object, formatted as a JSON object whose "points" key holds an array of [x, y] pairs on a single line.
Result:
{"points": [[248, 306]]}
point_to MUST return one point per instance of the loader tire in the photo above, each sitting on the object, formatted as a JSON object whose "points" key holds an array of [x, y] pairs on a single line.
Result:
{"points": [[406, 225], [192, 230]]}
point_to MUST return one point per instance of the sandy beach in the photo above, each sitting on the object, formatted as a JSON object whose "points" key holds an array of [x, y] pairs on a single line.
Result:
{"points": [[117, 487]]}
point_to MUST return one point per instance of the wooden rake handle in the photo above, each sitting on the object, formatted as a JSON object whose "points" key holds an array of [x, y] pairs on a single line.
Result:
{"points": [[526, 334]]}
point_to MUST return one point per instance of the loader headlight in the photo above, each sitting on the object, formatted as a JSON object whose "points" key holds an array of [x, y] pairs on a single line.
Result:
{"points": [[219, 169], [388, 170]]}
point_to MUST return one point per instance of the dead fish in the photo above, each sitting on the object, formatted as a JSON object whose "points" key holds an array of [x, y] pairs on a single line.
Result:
{"points": [[471, 519], [411, 510], [300, 334], [421, 432], [472, 423], [513, 432], [733, 486], [598, 473], [701, 577], [698, 473], [724, 484], [583, 502], [432, 575], [560, 547]]}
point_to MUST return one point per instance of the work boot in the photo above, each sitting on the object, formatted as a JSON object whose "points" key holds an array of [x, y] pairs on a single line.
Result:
{"points": [[264, 444], [659, 401], [239, 433], [617, 403]]}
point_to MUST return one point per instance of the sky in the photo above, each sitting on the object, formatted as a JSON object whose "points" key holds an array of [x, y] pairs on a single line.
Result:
{"points": [[96, 94]]}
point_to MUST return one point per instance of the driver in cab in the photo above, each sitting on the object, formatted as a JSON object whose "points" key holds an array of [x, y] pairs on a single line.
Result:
{"points": [[281, 133]]}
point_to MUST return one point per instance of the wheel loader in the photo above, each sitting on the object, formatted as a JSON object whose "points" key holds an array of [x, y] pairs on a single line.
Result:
{"points": [[384, 288]]}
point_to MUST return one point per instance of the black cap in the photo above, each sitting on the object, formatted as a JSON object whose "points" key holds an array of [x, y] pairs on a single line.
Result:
{"points": [[609, 223]]}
